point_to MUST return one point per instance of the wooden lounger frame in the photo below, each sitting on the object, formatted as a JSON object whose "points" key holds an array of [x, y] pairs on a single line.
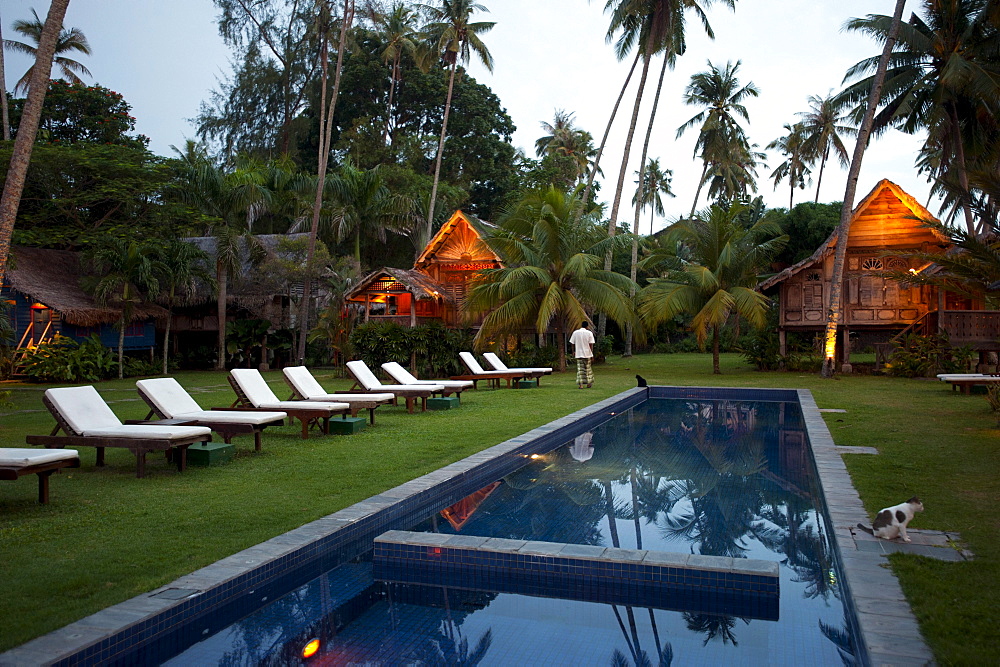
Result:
{"points": [[307, 416], [43, 470], [966, 384], [226, 429], [493, 378], [138, 446]]}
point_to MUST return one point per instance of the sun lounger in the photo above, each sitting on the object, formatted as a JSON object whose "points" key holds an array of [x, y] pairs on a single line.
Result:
{"points": [[966, 381], [368, 383], [498, 365], [477, 373], [16, 462], [404, 377], [304, 386], [253, 393], [87, 421], [169, 401]]}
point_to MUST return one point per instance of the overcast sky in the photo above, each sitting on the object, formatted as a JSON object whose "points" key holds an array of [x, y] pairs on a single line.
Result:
{"points": [[165, 57]]}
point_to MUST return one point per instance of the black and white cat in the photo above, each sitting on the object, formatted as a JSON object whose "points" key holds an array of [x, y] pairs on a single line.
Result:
{"points": [[891, 522]]}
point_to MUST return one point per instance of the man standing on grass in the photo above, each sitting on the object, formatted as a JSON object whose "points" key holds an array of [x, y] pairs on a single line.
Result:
{"points": [[583, 344]]}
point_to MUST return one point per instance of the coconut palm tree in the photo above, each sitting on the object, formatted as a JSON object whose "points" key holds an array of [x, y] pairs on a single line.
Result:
{"points": [[822, 126], [656, 182], [326, 21], [552, 272], [180, 266], [564, 139], [844, 228], [360, 204], [232, 201], [27, 130], [69, 40], [4, 110], [795, 168], [655, 26], [398, 30], [722, 96], [451, 33], [125, 277], [717, 276], [943, 78]]}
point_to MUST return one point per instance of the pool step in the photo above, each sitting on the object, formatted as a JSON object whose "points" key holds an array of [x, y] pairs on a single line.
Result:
{"points": [[686, 582]]}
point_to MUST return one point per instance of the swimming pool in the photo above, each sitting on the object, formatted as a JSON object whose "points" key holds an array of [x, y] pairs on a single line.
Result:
{"points": [[726, 478], [320, 579]]}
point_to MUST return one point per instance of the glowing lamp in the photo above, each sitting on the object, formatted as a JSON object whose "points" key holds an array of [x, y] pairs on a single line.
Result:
{"points": [[535, 456], [914, 271], [38, 306], [310, 649]]}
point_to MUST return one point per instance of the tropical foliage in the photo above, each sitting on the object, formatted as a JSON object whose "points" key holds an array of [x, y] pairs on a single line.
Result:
{"points": [[552, 275], [70, 40], [711, 272]]}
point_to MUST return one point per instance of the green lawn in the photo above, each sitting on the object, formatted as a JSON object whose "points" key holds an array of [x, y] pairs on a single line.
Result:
{"points": [[107, 536]]}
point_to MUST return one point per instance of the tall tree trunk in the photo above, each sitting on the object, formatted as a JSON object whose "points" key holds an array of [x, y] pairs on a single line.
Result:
{"points": [[613, 220], [715, 350], [326, 132], [963, 175], [819, 179], [697, 193], [602, 319], [633, 266], [392, 91], [844, 229], [3, 97], [221, 276], [121, 348], [604, 140], [28, 128], [166, 334], [562, 350], [440, 151]]}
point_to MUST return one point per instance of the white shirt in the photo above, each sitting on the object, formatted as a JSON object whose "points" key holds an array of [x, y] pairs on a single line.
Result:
{"points": [[582, 340]]}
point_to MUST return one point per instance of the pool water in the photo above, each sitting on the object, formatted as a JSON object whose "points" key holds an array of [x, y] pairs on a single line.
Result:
{"points": [[711, 477]]}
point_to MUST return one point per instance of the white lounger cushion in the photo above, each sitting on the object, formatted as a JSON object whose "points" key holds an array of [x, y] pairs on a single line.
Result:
{"points": [[403, 376], [260, 395], [306, 384], [15, 457], [370, 382], [499, 365], [962, 376], [173, 401], [87, 414]]}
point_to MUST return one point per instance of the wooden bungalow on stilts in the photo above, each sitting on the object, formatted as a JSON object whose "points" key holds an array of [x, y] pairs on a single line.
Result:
{"points": [[877, 309], [435, 288]]}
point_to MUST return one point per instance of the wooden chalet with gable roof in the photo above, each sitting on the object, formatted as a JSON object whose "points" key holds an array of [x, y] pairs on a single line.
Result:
{"points": [[876, 308], [435, 289]]}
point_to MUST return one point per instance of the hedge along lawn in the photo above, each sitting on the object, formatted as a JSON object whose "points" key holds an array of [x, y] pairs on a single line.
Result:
{"points": [[107, 536]]}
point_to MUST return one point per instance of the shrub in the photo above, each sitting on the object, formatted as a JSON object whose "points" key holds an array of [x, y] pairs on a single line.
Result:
{"points": [[993, 398], [64, 360], [530, 356], [922, 356], [198, 357], [434, 347], [136, 367]]}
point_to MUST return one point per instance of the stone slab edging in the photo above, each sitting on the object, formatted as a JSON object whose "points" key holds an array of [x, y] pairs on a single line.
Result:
{"points": [[742, 587], [116, 630], [887, 625]]}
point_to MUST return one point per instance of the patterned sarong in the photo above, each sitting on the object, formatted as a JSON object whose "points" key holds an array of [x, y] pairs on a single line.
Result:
{"points": [[584, 371]]}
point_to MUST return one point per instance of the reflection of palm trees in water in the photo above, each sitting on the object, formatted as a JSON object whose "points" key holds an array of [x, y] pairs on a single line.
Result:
{"points": [[842, 640], [713, 626], [795, 532]]}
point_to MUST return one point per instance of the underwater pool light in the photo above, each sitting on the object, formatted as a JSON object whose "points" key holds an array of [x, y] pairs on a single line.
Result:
{"points": [[310, 649]]}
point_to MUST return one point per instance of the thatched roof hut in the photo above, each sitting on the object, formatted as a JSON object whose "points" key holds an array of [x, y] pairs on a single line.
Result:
{"points": [[53, 277]]}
